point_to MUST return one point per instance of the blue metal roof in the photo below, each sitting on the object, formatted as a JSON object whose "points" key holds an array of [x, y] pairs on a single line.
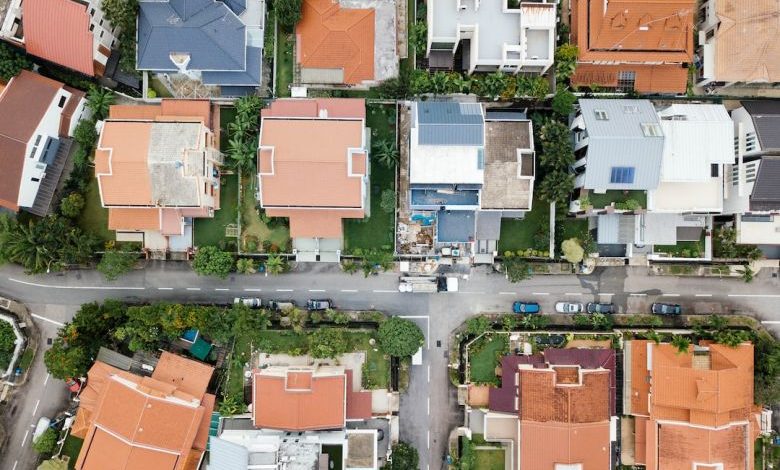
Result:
{"points": [[455, 226], [450, 123], [250, 77], [207, 30]]}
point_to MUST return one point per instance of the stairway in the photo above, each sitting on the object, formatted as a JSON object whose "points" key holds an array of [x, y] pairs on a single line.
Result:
{"points": [[48, 186]]}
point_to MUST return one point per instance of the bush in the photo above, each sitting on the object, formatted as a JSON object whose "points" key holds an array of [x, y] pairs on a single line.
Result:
{"points": [[404, 458], [86, 135], [12, 61], [517, 270], [388, 201], [572, 251], [288, 13], [475, 326], [46, 443], [72, 205], [115, 263], [328, 343], [210, 261], [246, 266], [563, 102], [400, 337]]}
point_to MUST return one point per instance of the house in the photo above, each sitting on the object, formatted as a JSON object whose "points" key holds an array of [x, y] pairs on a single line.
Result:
{"points": [[70, 33], [726, 54], [489, 35], [157, 168], [691, 409], [468, 168], [633, 45], [319, 180], [37, 118], [555, 410], [216, 43], [337, 44], [160, 421], [752, 192]]}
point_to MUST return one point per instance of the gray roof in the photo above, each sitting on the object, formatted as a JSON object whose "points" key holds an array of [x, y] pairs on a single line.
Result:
{"points": [[250, 77], [226, 455], [450, 123], [766, 120], [619, 141], [615, 228], [208, 30], [766, 190], [488, 225]]}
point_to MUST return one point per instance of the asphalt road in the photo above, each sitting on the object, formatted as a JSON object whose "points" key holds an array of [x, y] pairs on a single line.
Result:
{"points": [[429, 409]]}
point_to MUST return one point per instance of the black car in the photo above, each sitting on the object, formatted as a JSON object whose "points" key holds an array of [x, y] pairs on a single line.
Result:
{"points": [[666, 309], [550, 340], [599, 307]]}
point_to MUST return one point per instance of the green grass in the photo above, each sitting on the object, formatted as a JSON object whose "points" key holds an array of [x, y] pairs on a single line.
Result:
{"points": [[253, 227], [376, 370], [408, 64], [226, 115], [284, 63], [519, 234], [377, 230], [71, 447], [242, 351], [484, 362], [572, 228], [94, 217], [27, 357], [600, 201], [492, 459], [212, 231]]}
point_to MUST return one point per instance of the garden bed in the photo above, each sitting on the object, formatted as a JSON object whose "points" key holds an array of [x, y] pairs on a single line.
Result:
{"points": [[600, 201]]}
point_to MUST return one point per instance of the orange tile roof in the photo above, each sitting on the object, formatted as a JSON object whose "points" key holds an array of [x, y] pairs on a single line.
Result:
{"points": [[58, 31], [628, 33], [133, 219], [544, 398], [127, 181], [316, 223], [312, 108], [543, 445], [698, 402], [189, 376], [358, 402], [747, 48], [332, 37], [298, 400], [141, 422]]}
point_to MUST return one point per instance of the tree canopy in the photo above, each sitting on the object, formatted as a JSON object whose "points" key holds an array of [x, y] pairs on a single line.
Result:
{"points": [[400, 337], [7, 344], [12, 61], [288, 13], [211, 261], [572, 250], [404, 457], [116, 263], [517, 269], [328, 343]]}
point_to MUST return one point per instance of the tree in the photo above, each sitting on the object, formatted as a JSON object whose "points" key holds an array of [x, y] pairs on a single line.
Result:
{"points": [[565, 61], [517, 269], [534, 322], [288, 13], [388, 201], [242, 152], [440, 83], [99, 100], [556, 186], [493, 84], [63, 361], [557, 152], [509, 322], [725, 246], [681, 343], [767, 368], [599, 321], [85, 134], [581, 321], [297, 318], [400, 337], [7, 344], [328, 343], [418, 37], [475, 326], [72, 205], [572, 251], [115, 263], [231, 405], [419, 82], [246, 266], [275, 264], [210, 261], [46, 244], [747, 273], [563, 102], [386, 153], [404, 457], [46, 443], [12, 62], [536, 87]]}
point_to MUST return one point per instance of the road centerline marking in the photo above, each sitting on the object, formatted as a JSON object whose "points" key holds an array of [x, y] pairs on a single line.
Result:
{"points": [[193, 288], [284, 290]]}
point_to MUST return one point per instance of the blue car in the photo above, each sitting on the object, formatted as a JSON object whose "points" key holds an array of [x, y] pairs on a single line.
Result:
{"points": [[525, 307]]}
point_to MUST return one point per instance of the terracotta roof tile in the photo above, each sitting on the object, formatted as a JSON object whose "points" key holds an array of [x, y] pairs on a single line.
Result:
{"points": [[358, 402], [543, 445], [332, 37], [133, 219], [187, 375], [127, 183], [58, 31]]}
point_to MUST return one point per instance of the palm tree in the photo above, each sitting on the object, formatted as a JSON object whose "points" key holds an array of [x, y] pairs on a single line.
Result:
{"points": [[556, 186], [241, 152], [24, 247], [386, 152], [462, 84], [440, 83], [99, 101], [275, 265], [681, 343], [249, 106], [493, 85]]}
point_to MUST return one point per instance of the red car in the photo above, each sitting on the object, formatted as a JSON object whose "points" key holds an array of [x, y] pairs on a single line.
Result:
{"points": [[74, 385]]}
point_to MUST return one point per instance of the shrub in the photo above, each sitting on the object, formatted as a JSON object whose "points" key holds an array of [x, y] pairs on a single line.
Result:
{"points": [[46, 443], [151, 93], [72, 205], [115, 263], [388, 201], [572, 251], [85, 134], [210, 261]]}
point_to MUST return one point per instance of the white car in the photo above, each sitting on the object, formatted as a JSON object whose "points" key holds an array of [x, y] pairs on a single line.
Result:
{"points": [[569, 307], [251, 302]]}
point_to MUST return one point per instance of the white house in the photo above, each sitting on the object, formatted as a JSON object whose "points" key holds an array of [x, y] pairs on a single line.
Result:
{"points": [[37, 115]]}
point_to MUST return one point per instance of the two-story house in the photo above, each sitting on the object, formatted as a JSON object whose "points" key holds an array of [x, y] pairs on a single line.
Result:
{"points": [[37, 117], [489, 35], [157, 168], [71, 33]]}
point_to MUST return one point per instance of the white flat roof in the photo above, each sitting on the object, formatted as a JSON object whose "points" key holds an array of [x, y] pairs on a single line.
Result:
{"points": [[701, 196]]}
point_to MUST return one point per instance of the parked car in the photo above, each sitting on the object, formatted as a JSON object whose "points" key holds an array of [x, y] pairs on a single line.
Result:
{"points": [[280, 305], [251, 302], [319, 304], [600, 307], [73, 384], [525, 307], [549, 340], [569, 307], [666, 309]]}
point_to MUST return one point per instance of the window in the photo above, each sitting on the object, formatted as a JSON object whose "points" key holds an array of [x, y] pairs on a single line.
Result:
{"points": [[101, 23], [631, 109], [101, 33], [626, 80], [714, 170], [92, 12], [651, 129], [35, 180], [480, 159], [91, 27], [62, 101], [622, 175], [35, 145], [601, 114]]}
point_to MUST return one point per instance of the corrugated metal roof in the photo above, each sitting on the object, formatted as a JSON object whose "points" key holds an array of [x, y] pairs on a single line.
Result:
{"points": [[617, 139], [450, 123], [226, 455], [207, 30], [766, 190], [615, 229], [766, 120]]}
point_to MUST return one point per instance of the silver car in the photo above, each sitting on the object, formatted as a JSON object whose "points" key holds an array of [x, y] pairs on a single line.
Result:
{"points": [[569, 307], [251, 302]]}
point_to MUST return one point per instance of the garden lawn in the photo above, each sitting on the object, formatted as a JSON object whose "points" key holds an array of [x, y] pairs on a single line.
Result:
{"points": [[211, 231], [489, 459], [377, 230], [600, 201], [376, 369], [519, 234], [572, 228], [484, 362], [284, 63], [71, 447], [94, 217], [253, 227]]}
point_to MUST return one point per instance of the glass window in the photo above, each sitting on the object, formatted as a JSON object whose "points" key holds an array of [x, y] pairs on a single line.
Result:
{"points": [[622, 175], [601, 114], [651, 129]]}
